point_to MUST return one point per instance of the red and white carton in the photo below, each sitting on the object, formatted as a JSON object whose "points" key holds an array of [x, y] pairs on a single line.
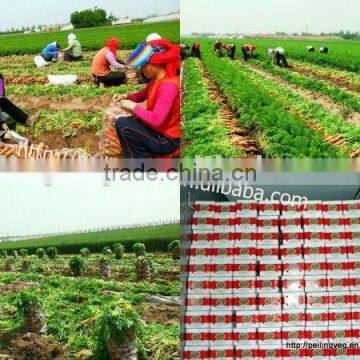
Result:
{"points": [[269, 318], [198, 302], [269, 351], [221, 319], [317, 333], [197, 319], [202, 237], [196, 286], [313, 222], [314, 237], [244, 268], [199, 268], [351, 207], [245, 222], [292, 267], [335, 235], [267, 284], [246, 238], [221, 352], [245, 336], [268, 237], [200, 352], [289, 208], [220, 285], [315, 267], [245, 284], [205, 207], [332, 208], [288, 222], [340, 334], [292, 353], [352, 237], [292, 283], [224, 238], [315, 283], [245, 253], [267, 252], [269, 301], [293, 318], [293, 334], [221, 267], [334, 222], [247, 207], [247, 319], [316, 317], [224, 222], [269, 208], [318, 300], [355, 316], [340, 300], [270, 268], [339, 267], [312, 207], [196, 337], [338, 249], [226, 207], [353, 265], [222, 252], [290, 251], [221, 302], [294, 300], [339, 283], [312, 251], [269, 335], [352, 222], [354, 283], [245, 352], [353, 251], [292, 236], [202, 221], [221, 336], [342, 317], [198, 252], [244, 301], [269, 222]]}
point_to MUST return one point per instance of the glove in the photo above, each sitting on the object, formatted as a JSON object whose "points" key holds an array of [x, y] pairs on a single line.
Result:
{"points": [[4, 127]]}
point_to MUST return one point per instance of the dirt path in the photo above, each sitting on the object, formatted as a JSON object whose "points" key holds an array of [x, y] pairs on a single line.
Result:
{"points": [[238, 135], [332, 140], [42, 79], [351, 117], [341, 81], [34, 104]]}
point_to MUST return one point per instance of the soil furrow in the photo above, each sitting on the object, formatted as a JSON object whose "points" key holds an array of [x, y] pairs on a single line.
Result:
{"points": [[351, 117], [238, 136], [330, 139]]}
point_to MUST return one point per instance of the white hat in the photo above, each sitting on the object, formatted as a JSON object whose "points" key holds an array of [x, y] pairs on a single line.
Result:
{"points": [[71, 37], [152, 37]]}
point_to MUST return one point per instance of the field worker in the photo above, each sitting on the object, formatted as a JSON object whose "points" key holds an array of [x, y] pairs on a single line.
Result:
{"points": [[51, 52], [9, 113], [279, 57], [310, 48], [103, 60], [246, 49], [270, 51], [232, 51], [195, 50], [184, 51], [217, 48], [152, 37], [74, 51], [155, 130], [324, 50]]}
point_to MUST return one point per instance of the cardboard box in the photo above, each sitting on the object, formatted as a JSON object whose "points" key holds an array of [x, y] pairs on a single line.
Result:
{"points": [[223, 337], [267, 284], [332, 207], [198, 302], [352, 237], [269, 318], [222, 352], [339, 267], [290, 222], [244, 268], [292, 283], [220, 285], [223, 221], [293, 318], [268, 237], [202, 221], [196, 337], [199, 268], [269, 335], [341, 317], [270, 268], [292, 267], [197, 319], [290, 251], [221, 302], [244, 352], [245, 238], [351, 207], [245, 253], [224, 238], [292, 208], [315, 267], [318, 300], [269, 208], [315, 252], [334, 222], [267, 252], [221, 319], [203, 238], [226, 207], [247, 319], [244, 301], [221, 267], [314, 237], [200, 352], [312, 222], [313, 207], [292, 236], [247, 207], [245, 222], [338, 249], [204, 207], [269, 301], [339, 283], [198, 252], [316, 317], [294, 301], [316, 283]]}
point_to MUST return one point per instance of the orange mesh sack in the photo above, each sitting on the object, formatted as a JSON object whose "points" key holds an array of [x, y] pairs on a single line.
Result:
{"points": [[109, 144]]}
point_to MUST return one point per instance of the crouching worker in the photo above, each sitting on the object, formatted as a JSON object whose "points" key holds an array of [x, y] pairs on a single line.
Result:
{"points": [[195, 50], [74, 51], [324, 50], [10, 114], [51, 52], [310, 48], [103, 60], [248, 49], [218, 48], [231, 48], [153, 131], [279, 57]]}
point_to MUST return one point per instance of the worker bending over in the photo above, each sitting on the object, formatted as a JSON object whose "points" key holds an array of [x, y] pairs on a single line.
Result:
{"points": [[103, 60], [51, 52], [248, 49], [231, 49], [310, 48], [279, 57], [153, 130], [218, 48], [195, 50], [74, 51], [324, 50]]}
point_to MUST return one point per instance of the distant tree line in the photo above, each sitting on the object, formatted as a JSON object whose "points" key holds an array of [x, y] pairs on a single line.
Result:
{"points": [[91, 18]]}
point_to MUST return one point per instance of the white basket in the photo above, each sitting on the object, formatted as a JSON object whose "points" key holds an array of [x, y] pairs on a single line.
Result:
{"points": [[62, 79]]}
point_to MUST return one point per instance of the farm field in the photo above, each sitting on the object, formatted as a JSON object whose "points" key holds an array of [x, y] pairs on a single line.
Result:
{"points": [[311, 109], [87, 298], [67, 117]]}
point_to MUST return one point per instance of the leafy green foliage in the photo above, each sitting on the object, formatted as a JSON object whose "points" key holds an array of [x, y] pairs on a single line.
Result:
{"points": [[26, 299], [77, 265], [23, 252], [85, 252], [139, 249], [175, 243], [90, 18], [40, 253], [4, 254], [52, 252], [118, 250]]}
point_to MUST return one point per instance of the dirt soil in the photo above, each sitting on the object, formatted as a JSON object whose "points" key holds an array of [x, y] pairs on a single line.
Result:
{"points": [[161, 313], [332, 140], [29, 346], [16, 286], [238, 135], [33, 104]]}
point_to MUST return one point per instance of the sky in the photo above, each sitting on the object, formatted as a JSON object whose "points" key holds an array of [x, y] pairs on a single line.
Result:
{"points": [[18, 13], [269, 16], [81, 201]]}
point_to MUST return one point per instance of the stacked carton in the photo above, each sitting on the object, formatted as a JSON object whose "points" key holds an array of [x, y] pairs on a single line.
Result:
{"points": [[264, 278]]}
